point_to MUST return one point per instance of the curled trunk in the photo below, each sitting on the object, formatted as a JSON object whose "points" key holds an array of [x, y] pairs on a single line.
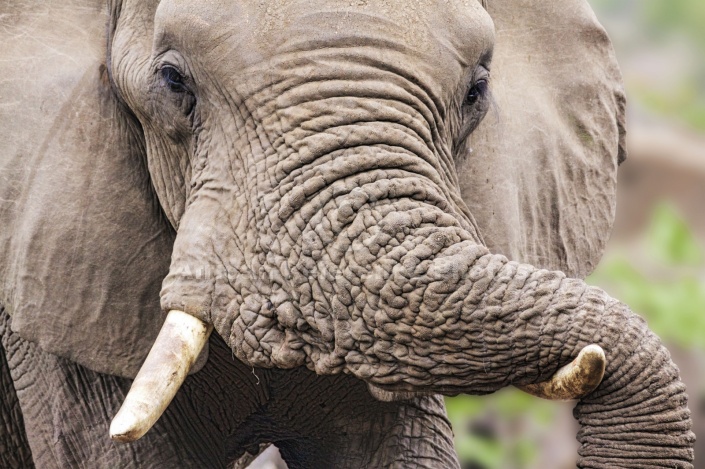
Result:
{"points": [[438, 312]]}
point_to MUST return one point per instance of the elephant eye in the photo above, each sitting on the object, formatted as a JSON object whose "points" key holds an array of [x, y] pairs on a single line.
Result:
{"points": [[477, 91], [173, 79]]}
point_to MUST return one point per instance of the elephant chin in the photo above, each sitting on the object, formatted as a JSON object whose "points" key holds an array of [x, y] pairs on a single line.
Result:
{"points": [[182, 338]]}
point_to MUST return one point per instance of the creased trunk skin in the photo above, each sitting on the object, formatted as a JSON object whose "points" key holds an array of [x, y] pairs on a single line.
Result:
{"points": [[475, 322]]}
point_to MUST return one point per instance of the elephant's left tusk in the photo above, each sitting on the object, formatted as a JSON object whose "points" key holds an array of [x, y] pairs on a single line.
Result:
{"points": [[575, 380], [177, 347]]}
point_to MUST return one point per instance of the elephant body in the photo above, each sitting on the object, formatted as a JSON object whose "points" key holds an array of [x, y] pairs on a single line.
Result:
{"points": [[338, 190]]}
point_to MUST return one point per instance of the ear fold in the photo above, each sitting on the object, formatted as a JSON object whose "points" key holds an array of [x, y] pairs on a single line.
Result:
{"points": [[83, 246], [540, 171]]}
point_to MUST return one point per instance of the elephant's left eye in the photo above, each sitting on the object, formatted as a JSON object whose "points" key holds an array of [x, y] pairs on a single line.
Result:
{"points": [[173, 79]]}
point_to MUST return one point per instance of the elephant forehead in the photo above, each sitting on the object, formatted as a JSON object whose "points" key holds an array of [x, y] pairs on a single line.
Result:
{"points": [[435, 31]]}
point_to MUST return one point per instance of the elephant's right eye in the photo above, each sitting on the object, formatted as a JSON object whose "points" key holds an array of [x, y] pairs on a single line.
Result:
{"points": [[173, 79], [477, 91]]}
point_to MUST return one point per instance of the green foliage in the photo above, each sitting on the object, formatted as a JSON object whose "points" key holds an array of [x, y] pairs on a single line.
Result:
{"points": [[670, 240], [662, 278], [672, 35], [682, 16], [518, 419], [684, 100]]}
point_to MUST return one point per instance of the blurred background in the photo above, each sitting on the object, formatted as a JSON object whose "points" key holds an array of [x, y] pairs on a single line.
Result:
{"points": [[655, 261]]}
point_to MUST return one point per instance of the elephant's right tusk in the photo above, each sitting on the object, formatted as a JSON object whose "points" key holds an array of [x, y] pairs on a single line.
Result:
{"points": [[177, 347], [575, 380]]}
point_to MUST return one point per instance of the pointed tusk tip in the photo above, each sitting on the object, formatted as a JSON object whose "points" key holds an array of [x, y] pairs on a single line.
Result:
{"points": [[126, 429], [591, 363], [180, 341], [592, 350], [593, 356]]}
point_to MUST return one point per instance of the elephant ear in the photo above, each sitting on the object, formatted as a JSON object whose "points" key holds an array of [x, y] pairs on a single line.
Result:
{"points": [[539, 174], [83, 245]]}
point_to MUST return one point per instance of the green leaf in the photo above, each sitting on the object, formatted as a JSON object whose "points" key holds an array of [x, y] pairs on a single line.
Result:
{"points": [[664, 281], [670, 239]]}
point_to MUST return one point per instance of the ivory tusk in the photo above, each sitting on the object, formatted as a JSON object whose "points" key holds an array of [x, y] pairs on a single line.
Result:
{"points": [[575, 380], [177, 347]]}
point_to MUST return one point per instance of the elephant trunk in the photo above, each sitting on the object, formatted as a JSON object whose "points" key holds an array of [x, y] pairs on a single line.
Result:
{"points": [[435, 311]]}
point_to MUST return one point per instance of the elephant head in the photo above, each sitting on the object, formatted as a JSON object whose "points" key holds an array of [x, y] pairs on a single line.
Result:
{"points": [[336, 185]]}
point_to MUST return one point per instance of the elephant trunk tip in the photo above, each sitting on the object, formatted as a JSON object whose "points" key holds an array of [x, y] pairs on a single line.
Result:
{"points": [[180, 341], [575, 380]]}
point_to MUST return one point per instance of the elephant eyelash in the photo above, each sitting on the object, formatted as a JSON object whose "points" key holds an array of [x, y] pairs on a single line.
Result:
{"points": [[173, 79], [474, 107], [477, 91]]}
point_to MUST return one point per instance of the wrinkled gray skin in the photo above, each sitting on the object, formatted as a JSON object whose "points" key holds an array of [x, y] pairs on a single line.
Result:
{"points": [[307, 177]]}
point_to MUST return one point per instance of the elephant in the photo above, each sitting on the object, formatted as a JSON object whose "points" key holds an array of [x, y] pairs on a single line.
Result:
{"points": [[305, 222]]}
